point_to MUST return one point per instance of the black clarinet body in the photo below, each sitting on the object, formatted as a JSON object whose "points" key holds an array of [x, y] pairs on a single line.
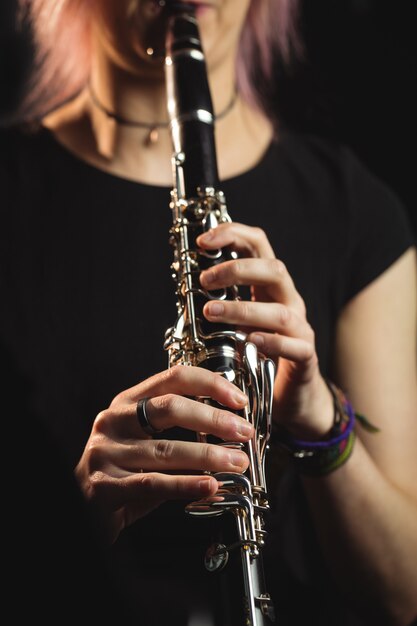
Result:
{"points": [[234, 551]]}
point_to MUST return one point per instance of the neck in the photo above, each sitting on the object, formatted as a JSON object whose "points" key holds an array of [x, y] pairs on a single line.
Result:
{"points": [[123, 150]]}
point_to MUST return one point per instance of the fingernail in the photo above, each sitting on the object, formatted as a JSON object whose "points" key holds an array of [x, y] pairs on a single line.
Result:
{"points": [[205, 485], [258, 340], [237, 458], [207, 276], [215, 308], [245, 429], [207, 236], [240, 397]]}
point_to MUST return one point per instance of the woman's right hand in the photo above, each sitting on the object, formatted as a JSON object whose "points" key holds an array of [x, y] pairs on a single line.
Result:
{"points": [[126, 473]]}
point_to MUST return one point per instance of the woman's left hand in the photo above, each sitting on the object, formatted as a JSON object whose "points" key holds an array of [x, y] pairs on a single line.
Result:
{"points": [[276, 322]]}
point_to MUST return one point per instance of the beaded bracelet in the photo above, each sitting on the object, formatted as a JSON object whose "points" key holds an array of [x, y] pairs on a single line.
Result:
{"points": [[317, 458]]}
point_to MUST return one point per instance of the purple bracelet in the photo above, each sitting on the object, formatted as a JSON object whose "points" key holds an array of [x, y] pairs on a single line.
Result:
{"points": [[315, 445], [317, 458]]}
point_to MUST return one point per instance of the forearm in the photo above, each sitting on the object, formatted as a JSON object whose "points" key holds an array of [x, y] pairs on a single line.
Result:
{"points": [[367, 530]]}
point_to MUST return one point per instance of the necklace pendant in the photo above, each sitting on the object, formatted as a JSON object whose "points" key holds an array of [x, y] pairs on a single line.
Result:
{"points": [[153, 136]]}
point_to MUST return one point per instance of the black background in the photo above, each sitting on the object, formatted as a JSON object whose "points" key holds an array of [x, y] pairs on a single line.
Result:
{"points": [[355, 84]]}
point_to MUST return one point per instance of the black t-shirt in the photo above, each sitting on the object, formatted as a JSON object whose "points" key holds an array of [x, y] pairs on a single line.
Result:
{"points": [[87, 295], [54, 559]]}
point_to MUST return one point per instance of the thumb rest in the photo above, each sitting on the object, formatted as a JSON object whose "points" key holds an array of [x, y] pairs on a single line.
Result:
{"points": [[198, 206]]}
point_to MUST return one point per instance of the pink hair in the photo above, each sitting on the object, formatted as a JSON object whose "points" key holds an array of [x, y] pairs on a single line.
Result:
{"points": [[270, 29], [61, 37]]}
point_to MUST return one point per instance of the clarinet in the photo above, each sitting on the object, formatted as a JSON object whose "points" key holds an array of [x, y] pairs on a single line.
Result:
{"points": [[198, 205]]}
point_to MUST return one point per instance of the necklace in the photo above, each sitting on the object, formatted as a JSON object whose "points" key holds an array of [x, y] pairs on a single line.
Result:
{"points": [[152, 127]]}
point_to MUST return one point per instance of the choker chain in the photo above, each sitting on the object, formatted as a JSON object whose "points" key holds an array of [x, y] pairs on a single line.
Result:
{"points": [[152, 127]]}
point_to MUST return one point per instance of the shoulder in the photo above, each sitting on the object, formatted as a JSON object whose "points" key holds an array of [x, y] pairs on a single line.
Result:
{"points": [[331, 167], [355, 208], [20, 153], [9, 138], [336, 182], [27, 161], [331, 182], [14, 139], [35, 168], [335, 164]]}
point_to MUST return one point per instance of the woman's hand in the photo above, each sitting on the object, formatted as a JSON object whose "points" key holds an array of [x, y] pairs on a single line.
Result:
{"points": [[275, 321], [126, 473]]}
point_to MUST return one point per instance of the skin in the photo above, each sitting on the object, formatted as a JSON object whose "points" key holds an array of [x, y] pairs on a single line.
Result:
{"points": [[365, 511]]}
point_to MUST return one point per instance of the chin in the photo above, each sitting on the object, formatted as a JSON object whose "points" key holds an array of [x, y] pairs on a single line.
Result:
{"points": [[147, 28]]}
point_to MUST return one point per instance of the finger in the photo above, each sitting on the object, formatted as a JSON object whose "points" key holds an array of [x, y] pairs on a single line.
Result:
{"points": [[166, 455], [263, 315], [187, 381], [270, 273], [116, 492], [173, 410], [275, 346], [247, 240]]}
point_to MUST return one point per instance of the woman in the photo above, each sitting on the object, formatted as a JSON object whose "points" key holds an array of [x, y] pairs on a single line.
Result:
{"points": [[329, 258]]}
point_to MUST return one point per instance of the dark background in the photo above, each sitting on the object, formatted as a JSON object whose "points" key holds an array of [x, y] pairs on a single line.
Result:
{"points": [[355, 84]]}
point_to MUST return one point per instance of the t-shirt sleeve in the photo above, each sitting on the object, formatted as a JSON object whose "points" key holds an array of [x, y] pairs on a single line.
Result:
{"points": [[379, 230]]}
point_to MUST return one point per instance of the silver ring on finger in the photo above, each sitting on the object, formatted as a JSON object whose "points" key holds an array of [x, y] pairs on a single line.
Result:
{"points": [[144, 419]]}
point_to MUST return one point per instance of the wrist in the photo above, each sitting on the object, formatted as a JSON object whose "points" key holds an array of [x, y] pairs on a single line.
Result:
{"points": [[316, 420], [322, 456]]}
